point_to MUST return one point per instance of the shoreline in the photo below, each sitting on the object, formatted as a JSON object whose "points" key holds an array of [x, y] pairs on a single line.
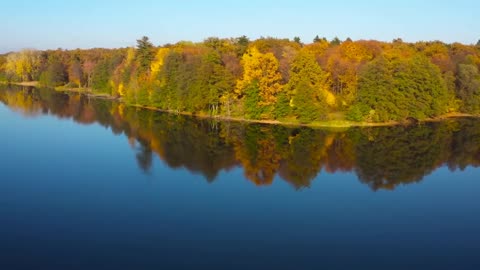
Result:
{"points": [[320, 124], [334, 124]]}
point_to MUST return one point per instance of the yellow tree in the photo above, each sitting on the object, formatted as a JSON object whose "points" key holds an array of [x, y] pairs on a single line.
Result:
{"points": [[262, 68], [24, 64], [121, 80], [155, 69], [344, 62], [158, 61], [318, 48]]}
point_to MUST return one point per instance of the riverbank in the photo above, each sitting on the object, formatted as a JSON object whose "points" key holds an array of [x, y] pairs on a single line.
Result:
{"points": [[335, 122], [332, 123], [320, 124]]}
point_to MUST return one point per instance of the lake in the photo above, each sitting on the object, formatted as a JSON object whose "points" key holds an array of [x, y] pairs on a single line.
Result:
{"points": [[93, 184]]}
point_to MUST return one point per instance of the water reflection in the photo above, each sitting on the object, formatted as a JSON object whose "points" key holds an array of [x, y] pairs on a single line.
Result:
{"points": [[382, 158]]}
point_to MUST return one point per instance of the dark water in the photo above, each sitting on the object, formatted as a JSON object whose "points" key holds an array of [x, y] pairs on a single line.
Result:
{"points": [[92, 184]]}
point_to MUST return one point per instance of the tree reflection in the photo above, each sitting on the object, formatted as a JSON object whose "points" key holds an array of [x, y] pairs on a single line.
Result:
{"points": [[382, 157], [391, 156]]}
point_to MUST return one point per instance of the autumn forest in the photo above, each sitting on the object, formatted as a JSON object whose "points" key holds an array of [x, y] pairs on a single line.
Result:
{"points": [[269, 78]]}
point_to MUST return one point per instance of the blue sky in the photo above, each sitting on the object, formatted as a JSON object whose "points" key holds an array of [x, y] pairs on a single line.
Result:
{"points": [[51, 24]]}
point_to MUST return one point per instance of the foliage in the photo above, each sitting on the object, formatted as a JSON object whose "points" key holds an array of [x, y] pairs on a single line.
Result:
{"points": [[308, 105], [24, 65], [253, 110], [398, 89], [282, 106], [145, 54], [270, 78], [262, 68], [468, 82], [55, 75]]}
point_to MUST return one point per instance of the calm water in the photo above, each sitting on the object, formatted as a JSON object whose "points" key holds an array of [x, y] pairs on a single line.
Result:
{"points": [[92, 184]]}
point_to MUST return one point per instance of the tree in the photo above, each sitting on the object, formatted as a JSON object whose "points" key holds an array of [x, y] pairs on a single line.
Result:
{"points": [[88, 68], [24, 65], [127, 82], [241, 44], [395, 90], [75, 73], [264, 69], [145, 55], [468, 84], [343, 62], [282, 107], [101, 77], [55, 75], [3, 61], [368, 80], [297, 40], [309, 106], [374, 101], [478, 43], [219, 81], [253, 110], [307, 89], [165, 95], [335, 41]]}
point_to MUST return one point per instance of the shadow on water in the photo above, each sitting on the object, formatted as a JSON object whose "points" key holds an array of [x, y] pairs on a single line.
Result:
{"points": [[381, 157]]}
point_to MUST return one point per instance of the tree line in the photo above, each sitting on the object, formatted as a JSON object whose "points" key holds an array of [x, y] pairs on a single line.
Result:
{"points": [[270, 78]]}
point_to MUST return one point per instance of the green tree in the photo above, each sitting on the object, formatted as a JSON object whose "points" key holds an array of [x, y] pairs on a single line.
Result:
{"points": [[253, 110], [395, 90], [241, 44], [215, 80], [297, 40], [101, 76], [309, 106], [468, 85], [54, 75], [145, 55], [335, 41], [305, 69], [282, 107]]}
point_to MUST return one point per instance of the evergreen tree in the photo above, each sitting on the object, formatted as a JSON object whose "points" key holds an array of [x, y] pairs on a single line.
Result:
{"points": [[335, 41], [145, 55]]}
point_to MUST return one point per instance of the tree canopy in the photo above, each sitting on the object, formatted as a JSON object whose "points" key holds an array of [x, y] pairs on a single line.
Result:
{"points": [[270, 78]]}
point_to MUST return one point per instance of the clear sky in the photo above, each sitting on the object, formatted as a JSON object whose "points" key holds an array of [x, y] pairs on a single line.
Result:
{"points": [[51, 24]]}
